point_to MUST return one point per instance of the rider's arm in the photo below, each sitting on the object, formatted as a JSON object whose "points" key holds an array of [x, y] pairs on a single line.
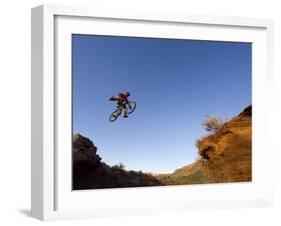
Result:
{"points": [[113, 98]]}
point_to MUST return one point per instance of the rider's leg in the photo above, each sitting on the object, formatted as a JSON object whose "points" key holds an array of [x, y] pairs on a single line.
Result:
{"points": [[126, 112]]}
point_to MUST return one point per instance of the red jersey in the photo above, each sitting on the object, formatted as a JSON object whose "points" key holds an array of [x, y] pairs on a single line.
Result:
{"points": [[121, 99]]}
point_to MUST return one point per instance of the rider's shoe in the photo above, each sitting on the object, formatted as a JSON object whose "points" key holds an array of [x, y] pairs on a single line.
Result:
{"points": [[125, 116]]}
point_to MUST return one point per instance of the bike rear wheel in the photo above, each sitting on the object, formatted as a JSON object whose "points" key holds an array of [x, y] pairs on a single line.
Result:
{"points": [[131, 106]]}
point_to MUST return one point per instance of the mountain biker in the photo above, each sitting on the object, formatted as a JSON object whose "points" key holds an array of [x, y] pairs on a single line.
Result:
{"points": [[122, 101]]}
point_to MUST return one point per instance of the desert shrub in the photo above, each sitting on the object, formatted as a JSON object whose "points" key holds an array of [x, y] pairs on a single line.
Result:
{"points": [[119, 166], [212, 123]]}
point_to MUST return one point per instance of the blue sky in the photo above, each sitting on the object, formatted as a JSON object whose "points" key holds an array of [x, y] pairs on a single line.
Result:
{"points": [[175, 84]]}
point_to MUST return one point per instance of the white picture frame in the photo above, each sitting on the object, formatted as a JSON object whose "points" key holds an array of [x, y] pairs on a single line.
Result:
{"points": [[52, 197]]}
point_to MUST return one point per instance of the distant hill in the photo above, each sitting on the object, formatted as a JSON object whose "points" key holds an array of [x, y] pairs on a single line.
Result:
{"points": [[189, 174]]}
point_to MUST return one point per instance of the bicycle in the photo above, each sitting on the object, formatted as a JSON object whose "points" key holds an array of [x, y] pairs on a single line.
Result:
{"points": [[130, 105]]}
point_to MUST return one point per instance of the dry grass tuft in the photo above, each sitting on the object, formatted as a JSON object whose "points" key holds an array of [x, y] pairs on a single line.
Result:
{"points": [[212, 123]]}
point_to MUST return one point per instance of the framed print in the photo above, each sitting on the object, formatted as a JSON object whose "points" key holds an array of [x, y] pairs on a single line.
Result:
{"points": [[139, 112]]}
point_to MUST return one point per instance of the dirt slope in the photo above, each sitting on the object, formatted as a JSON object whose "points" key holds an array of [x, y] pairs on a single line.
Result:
{"points": [[226, 155]]}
